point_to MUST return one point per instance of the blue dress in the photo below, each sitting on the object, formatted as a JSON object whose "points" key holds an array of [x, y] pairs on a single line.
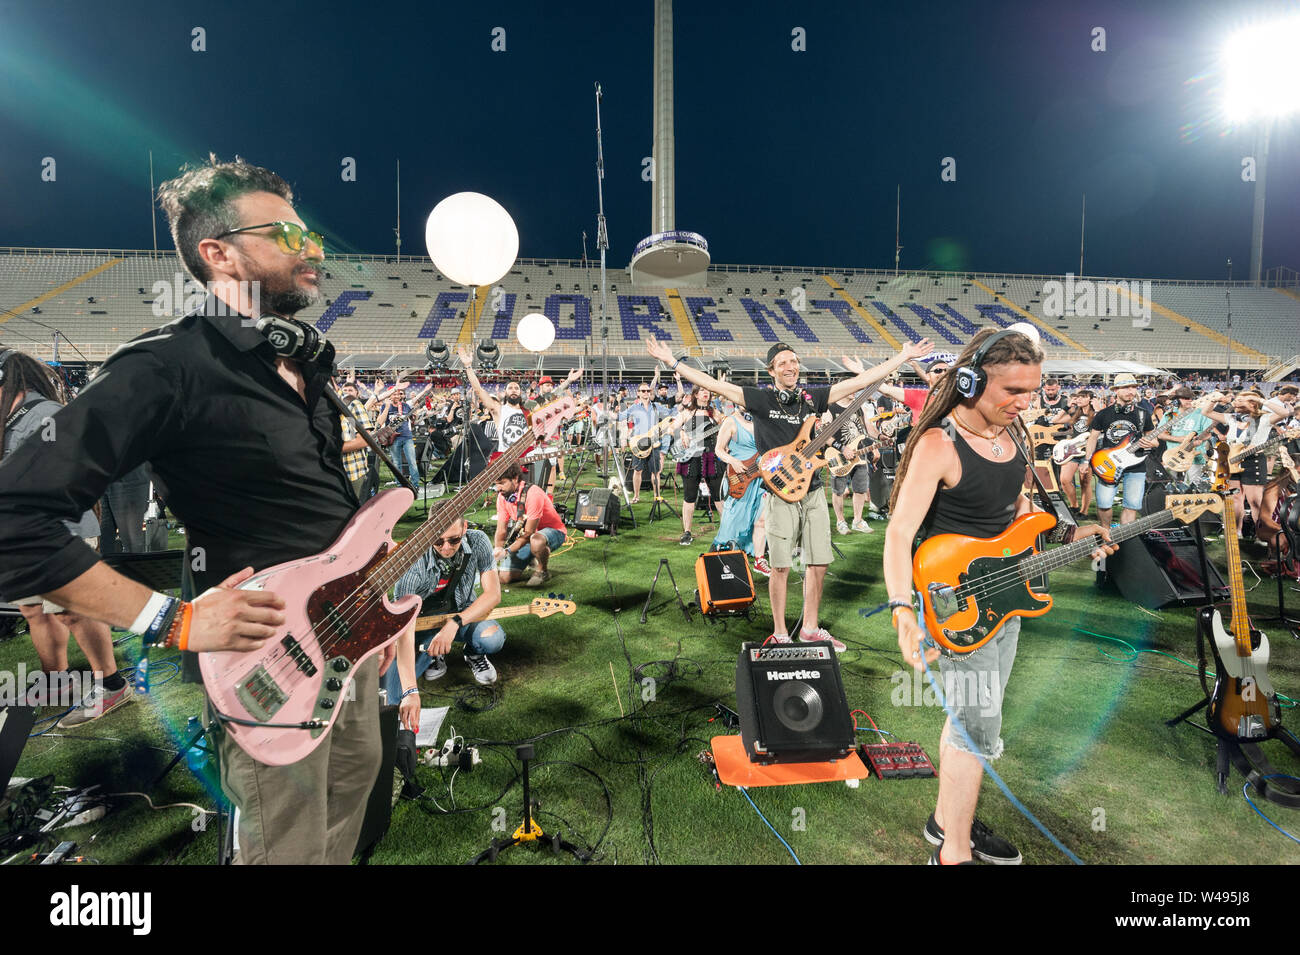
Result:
{"points": [[738, 516]]}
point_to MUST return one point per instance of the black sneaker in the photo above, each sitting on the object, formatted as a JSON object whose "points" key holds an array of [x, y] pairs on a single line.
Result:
{"points": [[686, 539], [934, 858], [984, 843]]}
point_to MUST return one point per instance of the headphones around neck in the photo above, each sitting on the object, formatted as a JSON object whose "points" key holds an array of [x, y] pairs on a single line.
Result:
{"points": [[793, 396], [970, 380], [297, 340]]}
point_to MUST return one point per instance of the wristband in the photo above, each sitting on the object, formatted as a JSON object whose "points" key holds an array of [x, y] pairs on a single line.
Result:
{"points": [[893, 617], [177, 633], [457, 618], [152, 609], [156, 633], [413, 691]]}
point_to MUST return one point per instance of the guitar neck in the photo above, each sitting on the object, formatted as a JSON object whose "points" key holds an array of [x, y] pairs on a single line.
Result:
{"points": [[825, 435], [438, 619], [1039, 564], [1236, 583], [390, 570]]}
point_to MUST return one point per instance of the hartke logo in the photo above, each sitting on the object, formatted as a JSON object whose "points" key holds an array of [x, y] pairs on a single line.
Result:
{"points": [[794, 674]]}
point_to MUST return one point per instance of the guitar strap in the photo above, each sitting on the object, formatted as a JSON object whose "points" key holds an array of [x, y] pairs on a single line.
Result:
{"points": [[443, 600]]}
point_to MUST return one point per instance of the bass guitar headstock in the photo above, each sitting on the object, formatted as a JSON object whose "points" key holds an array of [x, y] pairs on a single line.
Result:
{"points": [[1222, 468], [1188, 507], [546, 607], [547, 419]]}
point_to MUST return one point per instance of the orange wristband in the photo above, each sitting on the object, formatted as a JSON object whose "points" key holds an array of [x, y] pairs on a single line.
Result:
{"points": [[183, 639]]}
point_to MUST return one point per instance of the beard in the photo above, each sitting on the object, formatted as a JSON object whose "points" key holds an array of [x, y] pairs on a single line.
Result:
{"points": [[513, 399], [289, 299]]}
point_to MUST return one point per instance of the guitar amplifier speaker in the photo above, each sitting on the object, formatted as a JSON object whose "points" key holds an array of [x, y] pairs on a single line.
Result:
{"points": [[597, 511], [725, 584], [1162, 568], [791, 704]]}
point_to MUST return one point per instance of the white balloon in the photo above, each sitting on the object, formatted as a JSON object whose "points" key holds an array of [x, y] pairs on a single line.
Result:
{"points": [[471, 239], [1027, 329], [535, 332]]}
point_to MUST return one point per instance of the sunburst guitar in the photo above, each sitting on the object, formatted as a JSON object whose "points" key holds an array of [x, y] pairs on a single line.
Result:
{"points": [[969, 586]]}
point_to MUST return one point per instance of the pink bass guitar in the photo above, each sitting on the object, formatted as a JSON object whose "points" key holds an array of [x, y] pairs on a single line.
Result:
{"points": [[279, 702]]}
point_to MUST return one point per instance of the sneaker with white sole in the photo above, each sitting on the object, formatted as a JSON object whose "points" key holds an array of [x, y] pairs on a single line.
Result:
{"points": [[437, 669], [98, 702], [862, 526], [821, 633], [842, 527], [484, 672], [539, 577], [985, 844], [686, 539], [775, 638], [763, 567]]}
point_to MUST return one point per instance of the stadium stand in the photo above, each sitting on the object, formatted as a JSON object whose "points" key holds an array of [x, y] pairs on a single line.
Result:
{"points": [[375, 308]]}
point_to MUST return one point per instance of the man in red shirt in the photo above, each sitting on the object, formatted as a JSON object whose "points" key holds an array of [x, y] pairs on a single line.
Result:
{"points": [[542, 529]]}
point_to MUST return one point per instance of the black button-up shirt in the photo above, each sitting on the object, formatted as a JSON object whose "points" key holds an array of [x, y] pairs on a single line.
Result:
{"points": [[255, 474]]}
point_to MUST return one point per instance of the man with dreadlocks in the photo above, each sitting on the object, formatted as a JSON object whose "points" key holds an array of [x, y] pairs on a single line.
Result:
{"points": [[963, 473]]}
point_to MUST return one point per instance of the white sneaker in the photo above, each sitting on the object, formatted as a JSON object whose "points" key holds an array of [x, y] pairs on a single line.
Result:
{"points": [[862, 525], [98, 702], [842, 527], [821, 633], [437, 669], [485, 673], [782, 638]]}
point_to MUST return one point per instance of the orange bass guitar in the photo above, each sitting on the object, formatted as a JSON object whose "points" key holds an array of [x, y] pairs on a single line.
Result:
{"points": [[969, 586]]}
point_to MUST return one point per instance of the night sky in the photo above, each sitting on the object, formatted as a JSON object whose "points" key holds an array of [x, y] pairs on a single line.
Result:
{"points": [[784, 157]]}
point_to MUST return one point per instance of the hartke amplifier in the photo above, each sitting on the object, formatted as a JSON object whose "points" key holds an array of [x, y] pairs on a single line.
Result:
{"points": [[791, 704], [725, 584], [1162, 568], [597, 511]]}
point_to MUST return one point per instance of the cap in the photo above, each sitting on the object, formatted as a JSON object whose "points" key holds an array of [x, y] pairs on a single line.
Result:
{"points": [[1124, 380], [775, 350], [545, 380]]}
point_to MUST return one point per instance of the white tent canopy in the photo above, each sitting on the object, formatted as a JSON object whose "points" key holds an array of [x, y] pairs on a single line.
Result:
{"points": [[1061, 366]]}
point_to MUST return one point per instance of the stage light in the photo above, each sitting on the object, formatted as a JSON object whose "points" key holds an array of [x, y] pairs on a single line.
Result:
{"points": [[438, 355], [535, 332], [720, 368], [471, 239], [1263, 71], [487, 356]]}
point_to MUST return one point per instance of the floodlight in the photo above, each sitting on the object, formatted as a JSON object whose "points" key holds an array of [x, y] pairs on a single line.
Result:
{"points": [[1262, 70]]}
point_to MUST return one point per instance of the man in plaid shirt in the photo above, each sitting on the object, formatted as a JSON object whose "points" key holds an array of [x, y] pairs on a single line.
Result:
{"points": [[356, 459]]}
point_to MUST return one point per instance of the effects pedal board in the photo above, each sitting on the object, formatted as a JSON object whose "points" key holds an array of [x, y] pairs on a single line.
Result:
{"points": [[896, 760]]}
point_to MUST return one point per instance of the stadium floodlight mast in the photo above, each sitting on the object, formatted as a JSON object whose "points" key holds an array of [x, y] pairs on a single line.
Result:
{"points": [[602, 243], [1262, 85]]}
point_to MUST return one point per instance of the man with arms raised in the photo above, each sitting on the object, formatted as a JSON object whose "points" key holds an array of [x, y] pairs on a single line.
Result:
{"points": [[247, 452], [778, 414], [963, 474], [508, 411]]}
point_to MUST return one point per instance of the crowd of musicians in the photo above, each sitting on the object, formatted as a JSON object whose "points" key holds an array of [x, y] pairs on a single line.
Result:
{"points": [[240, 439]]}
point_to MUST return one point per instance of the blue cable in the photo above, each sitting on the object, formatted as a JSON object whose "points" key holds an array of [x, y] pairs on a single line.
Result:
{"points": [[989, 769], [744, 792], [1245, 786]]}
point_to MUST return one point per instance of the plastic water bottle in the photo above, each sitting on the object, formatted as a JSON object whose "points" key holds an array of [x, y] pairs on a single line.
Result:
{"points": [[142, 674], [196, 758]]}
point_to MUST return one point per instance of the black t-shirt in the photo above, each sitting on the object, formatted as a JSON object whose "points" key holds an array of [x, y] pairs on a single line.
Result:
{"points": [[852, 430], [1051, 407], [1116, 425], [777, 424]]}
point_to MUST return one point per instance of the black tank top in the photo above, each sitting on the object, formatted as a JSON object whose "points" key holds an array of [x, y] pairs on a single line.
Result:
{"points": [[983, 503]]}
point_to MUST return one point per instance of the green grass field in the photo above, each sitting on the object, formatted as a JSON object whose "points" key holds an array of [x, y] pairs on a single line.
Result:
{"points": [[1087, 750]]}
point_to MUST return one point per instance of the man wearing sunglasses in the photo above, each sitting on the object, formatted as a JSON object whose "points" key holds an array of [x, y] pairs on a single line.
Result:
{"points": [[445, 578], [248, 453]]}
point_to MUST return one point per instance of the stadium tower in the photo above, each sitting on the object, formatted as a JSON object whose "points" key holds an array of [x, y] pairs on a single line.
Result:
{"points": [[667, 257]]}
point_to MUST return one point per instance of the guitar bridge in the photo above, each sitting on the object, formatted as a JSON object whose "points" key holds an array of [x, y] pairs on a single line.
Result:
{"points": [[1252, 726], [260, 694]]}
